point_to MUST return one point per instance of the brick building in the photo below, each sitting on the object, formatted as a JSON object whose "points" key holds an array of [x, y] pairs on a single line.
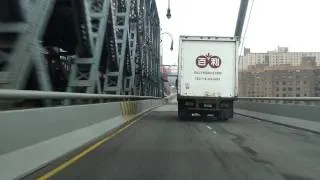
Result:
{"points": [[283, 80]]}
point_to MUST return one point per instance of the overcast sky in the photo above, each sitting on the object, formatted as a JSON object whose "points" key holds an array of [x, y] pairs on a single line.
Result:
{"points": [[292, 23]]}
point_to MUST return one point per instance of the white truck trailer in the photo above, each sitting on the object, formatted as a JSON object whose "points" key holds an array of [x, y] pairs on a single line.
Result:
{"points": [[207, 76]]}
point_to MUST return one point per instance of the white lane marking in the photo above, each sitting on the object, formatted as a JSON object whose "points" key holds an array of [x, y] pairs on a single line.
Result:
{"points": [[209, 127]]}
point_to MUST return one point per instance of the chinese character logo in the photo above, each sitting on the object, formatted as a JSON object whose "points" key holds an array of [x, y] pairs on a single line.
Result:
{"points": [[208, 59], [201, 61]]}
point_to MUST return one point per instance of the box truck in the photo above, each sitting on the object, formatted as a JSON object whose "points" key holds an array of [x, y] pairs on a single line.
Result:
{"points": [[207, 76]]}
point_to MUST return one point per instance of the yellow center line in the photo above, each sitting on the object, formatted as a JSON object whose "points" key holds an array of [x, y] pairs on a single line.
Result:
{"points": [[83, 153]]}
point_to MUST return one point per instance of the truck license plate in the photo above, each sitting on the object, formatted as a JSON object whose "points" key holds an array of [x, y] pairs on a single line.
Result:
{"points": [[207, 105]]}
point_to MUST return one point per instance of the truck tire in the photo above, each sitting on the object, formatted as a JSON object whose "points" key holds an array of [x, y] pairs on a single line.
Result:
{"points": [[182, 117], [222, 116], [181, 113]]}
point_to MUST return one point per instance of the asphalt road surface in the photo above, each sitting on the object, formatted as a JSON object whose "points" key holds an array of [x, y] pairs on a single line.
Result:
{"points": [[161, 147]]}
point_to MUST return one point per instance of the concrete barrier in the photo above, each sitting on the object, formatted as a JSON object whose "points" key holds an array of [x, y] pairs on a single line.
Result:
{"points": [[306, 125], [30, 139], [287, 110]]}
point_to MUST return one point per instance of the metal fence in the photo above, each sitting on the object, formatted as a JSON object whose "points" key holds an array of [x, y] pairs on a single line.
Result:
{"points": [[310, 101], [306, 108], [20, 99]]}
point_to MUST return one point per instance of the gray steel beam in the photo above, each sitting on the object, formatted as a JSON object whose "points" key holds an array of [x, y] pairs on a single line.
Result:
{"points": [[241, 18], [147, 52], [83, 33], [84, 72], [154, 56], [142, 46], [137, 77], [133, 47], [25, 51], [133, 42], [121, 14]]}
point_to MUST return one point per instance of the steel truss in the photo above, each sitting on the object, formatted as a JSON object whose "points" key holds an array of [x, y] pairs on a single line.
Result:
{"points": [[19, 41], [114, 45]]}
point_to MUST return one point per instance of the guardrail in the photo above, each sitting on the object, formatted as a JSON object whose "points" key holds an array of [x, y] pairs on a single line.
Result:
{"points": [[283, 100], [13, 99], [26, 94], [307, 108]]}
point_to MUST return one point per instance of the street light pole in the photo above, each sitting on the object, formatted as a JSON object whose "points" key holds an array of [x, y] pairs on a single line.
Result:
{"points": [[171, 47], [168, 10], [161, 61]]}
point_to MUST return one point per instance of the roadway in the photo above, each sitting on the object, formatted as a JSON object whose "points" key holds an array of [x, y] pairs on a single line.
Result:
{"points": [[158, 146]]}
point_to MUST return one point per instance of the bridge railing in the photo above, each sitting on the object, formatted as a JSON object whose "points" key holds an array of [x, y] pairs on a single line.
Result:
{"points": [[283, 100], [307, 108], [309, 101], [17, 99]]}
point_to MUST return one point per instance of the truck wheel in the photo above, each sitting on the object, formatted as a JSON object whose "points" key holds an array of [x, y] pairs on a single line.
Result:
{"points": [[225, 119], [222, 116], [182, 116], [181, 112]]}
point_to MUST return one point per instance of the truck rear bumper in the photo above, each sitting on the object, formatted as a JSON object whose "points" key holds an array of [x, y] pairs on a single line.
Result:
{"points": [[220, 107], [205, 109]]}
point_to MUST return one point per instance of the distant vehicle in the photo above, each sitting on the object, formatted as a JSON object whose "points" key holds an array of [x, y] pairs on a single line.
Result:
{"points": [[207, 76]]}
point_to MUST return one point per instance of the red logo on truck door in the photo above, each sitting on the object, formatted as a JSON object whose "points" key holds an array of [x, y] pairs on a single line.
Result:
{"points": [[203, 61]]}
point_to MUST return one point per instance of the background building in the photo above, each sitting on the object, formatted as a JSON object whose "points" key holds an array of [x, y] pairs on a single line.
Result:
{"points": [[281, 80], [274, 58]]}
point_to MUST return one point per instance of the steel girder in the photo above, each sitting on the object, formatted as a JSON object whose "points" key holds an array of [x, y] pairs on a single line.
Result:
{"points": [[115, 81], [19, 43], [133, 63], [117, 46], [148, 63], [138, 39], [84, 75]]}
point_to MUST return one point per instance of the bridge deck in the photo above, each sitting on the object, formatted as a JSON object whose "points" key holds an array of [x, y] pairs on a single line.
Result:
{"points": [[161, 147]]}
